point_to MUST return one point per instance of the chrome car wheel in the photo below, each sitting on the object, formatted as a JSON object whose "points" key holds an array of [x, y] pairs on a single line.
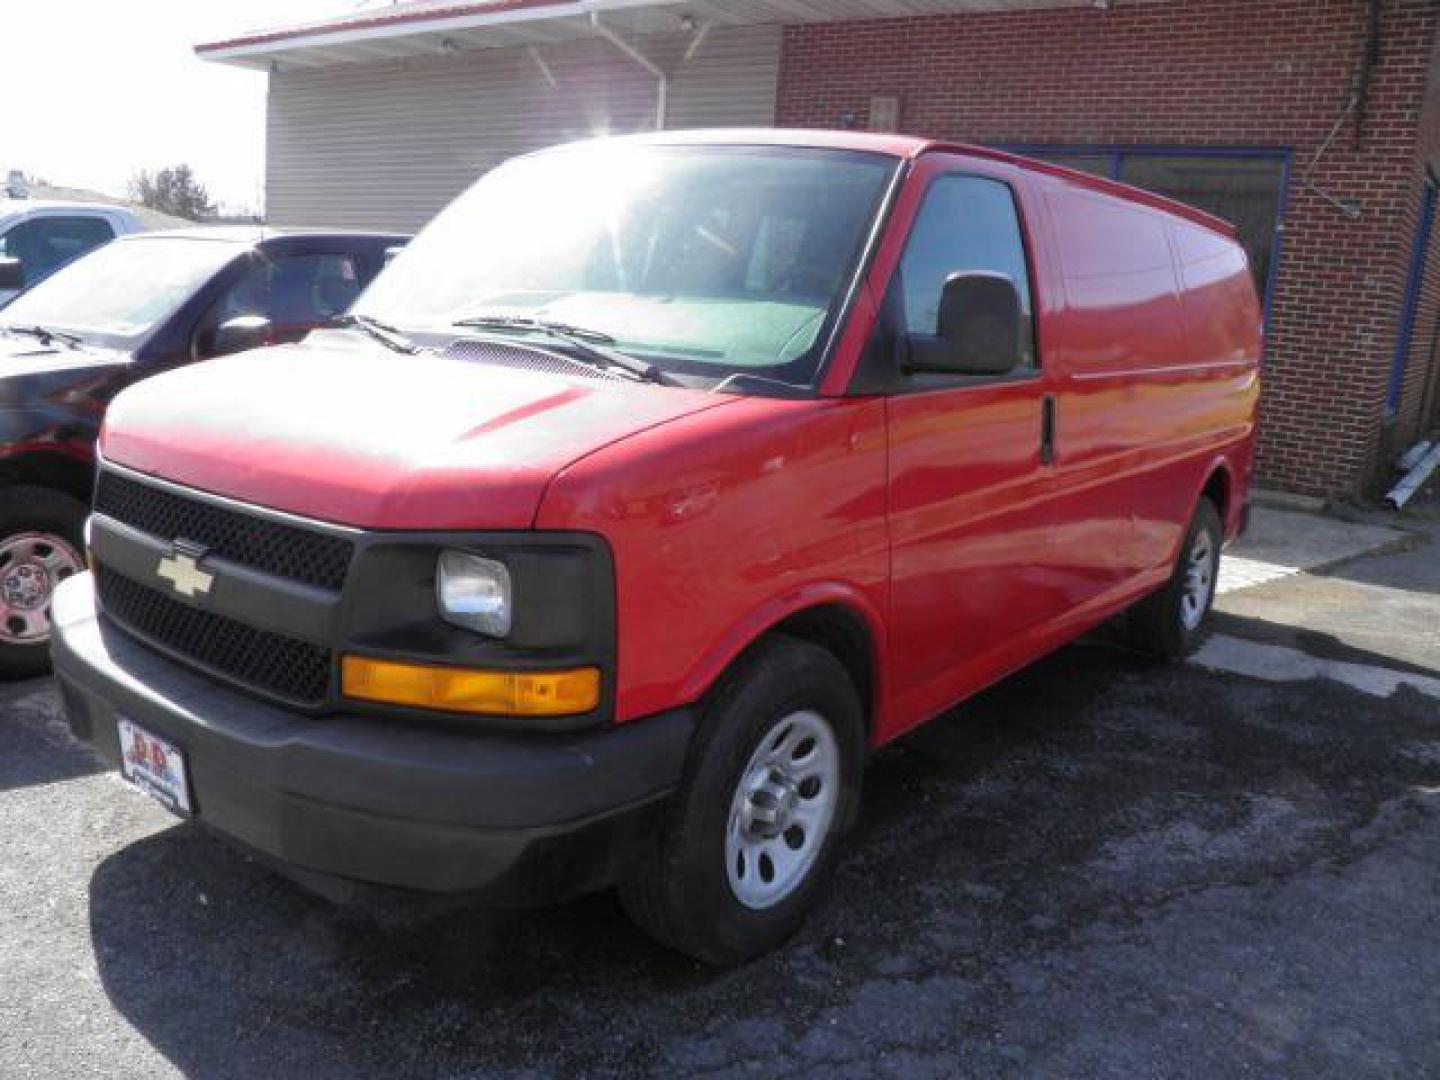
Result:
{"points": [[1200, 566], [782, 810], [31, 565]]}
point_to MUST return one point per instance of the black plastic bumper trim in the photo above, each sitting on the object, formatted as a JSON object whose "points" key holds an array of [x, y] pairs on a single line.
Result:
{"points": [[375, 800]]}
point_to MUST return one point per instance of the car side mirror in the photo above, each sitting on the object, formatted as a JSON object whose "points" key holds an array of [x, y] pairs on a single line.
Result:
{"points": [[238, 334], [12, 274], [978, 332]]}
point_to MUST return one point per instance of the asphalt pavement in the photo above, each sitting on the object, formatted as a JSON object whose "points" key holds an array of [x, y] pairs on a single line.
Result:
{"points": [[1103, 867]]}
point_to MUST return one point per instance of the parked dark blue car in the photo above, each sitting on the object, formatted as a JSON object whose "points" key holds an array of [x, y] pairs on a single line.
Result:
{"points": [[131, 309]]}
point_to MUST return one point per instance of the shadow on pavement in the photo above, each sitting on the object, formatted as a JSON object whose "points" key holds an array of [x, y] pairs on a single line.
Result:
{"points": [[38, 747], [1316, 643], [1100, 866], [1411, 565]]}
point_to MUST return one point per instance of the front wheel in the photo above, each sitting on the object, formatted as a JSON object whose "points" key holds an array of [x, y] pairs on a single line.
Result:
{"points": [[40, 546], [772, 782], [1171, 623]]}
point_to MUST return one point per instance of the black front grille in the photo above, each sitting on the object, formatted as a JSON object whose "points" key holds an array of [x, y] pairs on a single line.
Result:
{"points": [[287, 551], [288, 668]]}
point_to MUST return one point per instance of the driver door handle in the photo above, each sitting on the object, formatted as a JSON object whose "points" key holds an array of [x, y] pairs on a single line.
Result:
{"points": [[1047, 430]]}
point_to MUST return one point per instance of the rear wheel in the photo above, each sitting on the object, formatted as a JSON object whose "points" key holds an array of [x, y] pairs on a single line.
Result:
{"points": [[40, 546], [1171, 623], [772, 782]]}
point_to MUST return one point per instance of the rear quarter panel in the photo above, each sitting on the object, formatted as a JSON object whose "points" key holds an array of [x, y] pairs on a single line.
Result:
{"points": [[724, 523]]}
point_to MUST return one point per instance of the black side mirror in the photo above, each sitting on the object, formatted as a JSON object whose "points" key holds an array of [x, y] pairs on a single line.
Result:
{"points": [[12, 274], [237, 335], [978, 332]]}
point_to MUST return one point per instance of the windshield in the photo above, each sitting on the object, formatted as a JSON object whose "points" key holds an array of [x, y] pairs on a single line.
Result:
{"points": [[702, 260], [122, 291]]}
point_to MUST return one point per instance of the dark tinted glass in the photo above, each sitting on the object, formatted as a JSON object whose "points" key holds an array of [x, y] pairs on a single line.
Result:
{"points": [[45, 244], [293, 290], [967, 224]]}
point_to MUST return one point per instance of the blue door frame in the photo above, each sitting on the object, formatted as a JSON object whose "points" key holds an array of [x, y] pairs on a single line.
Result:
{"points": [[1410, 305]]}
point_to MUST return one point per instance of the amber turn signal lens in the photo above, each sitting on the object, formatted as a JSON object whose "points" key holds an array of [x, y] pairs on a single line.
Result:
{"points": [[491, 693]]}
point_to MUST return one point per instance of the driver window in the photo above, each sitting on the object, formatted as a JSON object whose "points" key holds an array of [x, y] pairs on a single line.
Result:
{"points": [[292, 291], [967, 224]]}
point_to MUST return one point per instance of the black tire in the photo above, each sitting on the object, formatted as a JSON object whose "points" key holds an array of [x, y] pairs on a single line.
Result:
{"points": [[1158, 625], [680, 892], [46, 513]]}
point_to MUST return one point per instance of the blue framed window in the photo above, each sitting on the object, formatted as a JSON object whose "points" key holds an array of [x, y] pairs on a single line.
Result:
{"points": [[1245, 186]]}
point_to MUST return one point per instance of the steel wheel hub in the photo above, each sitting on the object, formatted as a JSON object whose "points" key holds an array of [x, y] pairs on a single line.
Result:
{"points": [[26, 585], [31, 565], [770, 807], [782, 810]]}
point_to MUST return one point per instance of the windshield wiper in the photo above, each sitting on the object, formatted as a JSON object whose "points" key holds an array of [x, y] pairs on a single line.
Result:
{"points": [[591, 346], [384, 333], [46, 335]]}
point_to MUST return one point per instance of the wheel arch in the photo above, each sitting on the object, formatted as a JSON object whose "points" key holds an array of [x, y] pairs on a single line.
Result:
{"points": [[57, 472], [838, 618], [1219, 488]]}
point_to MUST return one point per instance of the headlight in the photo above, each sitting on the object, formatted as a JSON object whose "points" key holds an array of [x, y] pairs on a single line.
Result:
{"points": [[474, 593]]}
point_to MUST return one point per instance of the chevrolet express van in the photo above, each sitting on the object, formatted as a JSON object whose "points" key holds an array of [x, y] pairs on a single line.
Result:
{"points": [[657, 481]]}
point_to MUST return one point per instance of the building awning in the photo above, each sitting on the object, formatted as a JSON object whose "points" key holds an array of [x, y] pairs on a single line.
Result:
{"points": [[431, 27]]}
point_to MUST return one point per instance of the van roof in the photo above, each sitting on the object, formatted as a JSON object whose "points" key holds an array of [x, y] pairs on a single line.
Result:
{"points": [[909, 147]]}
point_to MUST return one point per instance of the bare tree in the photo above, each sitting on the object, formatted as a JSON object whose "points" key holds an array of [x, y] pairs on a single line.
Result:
{"points": [[173, 190]]}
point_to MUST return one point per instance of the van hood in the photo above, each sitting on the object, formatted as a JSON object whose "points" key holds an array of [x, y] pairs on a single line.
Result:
{"points": [[362, 436]]}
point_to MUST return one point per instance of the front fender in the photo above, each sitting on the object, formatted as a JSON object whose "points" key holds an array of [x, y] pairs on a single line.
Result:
{"points": [[760, 621], [46, 430]]}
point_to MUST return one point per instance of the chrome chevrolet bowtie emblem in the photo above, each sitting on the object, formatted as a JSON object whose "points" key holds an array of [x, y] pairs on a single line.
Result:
{"points": [[182, 570]]}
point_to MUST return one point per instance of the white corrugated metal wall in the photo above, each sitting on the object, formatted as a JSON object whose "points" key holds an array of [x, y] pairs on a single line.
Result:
{"points": [[385, 145]]}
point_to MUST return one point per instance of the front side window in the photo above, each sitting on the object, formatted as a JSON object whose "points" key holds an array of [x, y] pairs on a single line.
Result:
{"points": [[44, 244], [123, 291], [705, 261], [966, 225], [293, 291]]}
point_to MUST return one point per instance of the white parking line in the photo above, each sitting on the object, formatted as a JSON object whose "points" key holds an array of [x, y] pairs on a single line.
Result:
{"points": [[1279, 663], [1237, 572], [1284, 542]]}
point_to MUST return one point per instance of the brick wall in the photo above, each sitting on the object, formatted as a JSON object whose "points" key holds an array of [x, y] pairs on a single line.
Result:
{"points": [[1261, 73]]}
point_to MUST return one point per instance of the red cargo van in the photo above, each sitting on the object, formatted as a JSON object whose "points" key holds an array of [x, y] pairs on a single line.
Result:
{"points": [[657, 481]]}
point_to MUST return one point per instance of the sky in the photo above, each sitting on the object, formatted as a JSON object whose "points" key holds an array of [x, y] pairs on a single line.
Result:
{"points": [[98, 89]]}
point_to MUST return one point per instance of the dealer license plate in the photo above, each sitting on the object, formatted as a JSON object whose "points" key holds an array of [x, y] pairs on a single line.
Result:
{"points": [[154, 765]]}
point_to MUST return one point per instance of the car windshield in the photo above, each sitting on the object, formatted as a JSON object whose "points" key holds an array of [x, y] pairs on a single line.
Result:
{"points": [[707, 261], [121, 292]]}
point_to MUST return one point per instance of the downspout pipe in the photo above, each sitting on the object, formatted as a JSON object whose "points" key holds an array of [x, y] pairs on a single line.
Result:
{"points": [[662, 88], [1415, 479]]}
